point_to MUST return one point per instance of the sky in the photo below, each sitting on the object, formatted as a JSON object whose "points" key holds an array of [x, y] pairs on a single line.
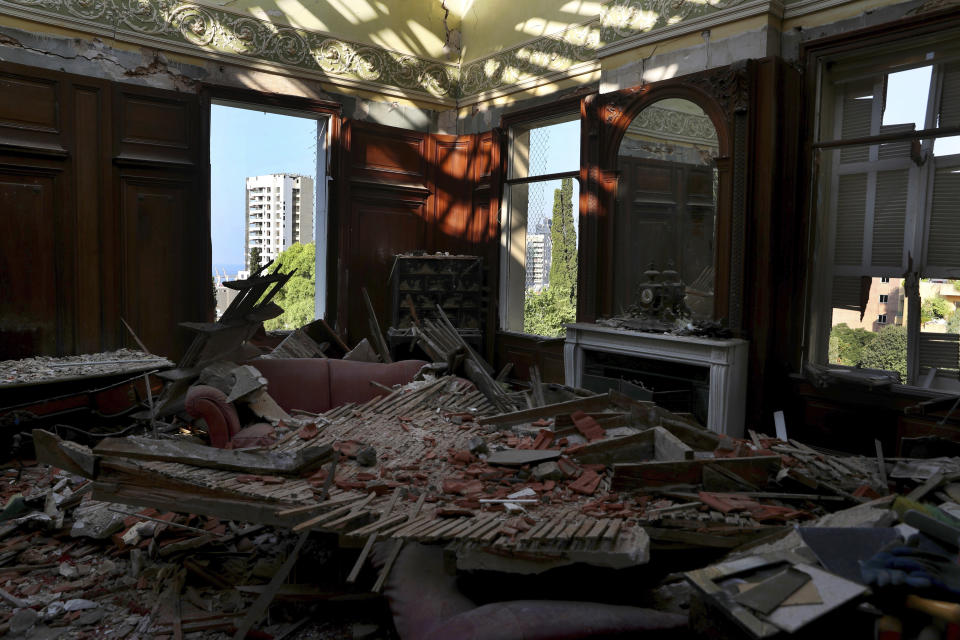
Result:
{"points": [[246, 143], [907, 93], [553, 149]]}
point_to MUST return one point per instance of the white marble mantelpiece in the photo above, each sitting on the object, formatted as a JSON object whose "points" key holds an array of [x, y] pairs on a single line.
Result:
{"points": [[726, 359]]}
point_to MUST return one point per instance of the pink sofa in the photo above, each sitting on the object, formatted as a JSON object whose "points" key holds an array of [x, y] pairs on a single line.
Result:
{"points": [[310, 384]]}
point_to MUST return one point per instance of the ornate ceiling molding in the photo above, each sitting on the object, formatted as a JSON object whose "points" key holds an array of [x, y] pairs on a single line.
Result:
{"points": [[207, 31], [201, 30], [679, 126]]}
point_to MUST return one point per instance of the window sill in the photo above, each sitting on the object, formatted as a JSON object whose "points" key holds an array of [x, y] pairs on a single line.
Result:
{"points": [[904, 390], [530, 336]]}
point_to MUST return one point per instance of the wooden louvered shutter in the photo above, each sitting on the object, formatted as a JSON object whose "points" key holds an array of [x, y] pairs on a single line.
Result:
{"points": [[950, 96], [943, 239], [851, 199]]}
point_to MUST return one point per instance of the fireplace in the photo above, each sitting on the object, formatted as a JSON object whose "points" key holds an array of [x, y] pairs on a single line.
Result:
{"points": [[705, 377]]}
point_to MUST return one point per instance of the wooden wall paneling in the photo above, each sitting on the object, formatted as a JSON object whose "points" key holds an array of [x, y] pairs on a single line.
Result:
{"points": [[773, 300], [453, 227], [524, 351], [89, 107], [386, 189], [31, 110], [36, 261], [154, 126], [163, 227], [164, 280], [388, 154], [38, 295], [386, 223]]}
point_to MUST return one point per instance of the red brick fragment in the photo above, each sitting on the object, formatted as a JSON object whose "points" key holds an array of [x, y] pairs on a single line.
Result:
{"points": [[586, 484], [349, 448], [544, 439], [347, 485], [866, 491], [271, 480], [463, 457], [309, 431], [365, 476], [542, 422], [587, 426], [568, 468]]}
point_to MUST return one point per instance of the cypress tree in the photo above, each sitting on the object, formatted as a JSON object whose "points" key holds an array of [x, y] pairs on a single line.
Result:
{"points": [[563, 237]]}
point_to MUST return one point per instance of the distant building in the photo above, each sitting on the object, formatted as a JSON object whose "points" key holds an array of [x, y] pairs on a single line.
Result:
{"points": [[539, 254], [279, 213], [885, 305]]}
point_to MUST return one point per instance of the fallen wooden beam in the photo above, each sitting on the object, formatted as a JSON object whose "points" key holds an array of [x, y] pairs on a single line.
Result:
{"points": [[63, 454], [197, 455], [593, 403], [756, 470]]}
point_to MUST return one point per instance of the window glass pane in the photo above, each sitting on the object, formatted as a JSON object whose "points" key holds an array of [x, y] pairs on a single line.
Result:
{"points": [[541, 149], [544, 222], [946, 146], [939, 327], [907, 93], [878, 340]]}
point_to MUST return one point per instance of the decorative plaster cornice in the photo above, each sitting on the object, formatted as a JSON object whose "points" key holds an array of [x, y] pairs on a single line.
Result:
{"points": [[201, 30], [198, 29], [655, 121], [731, 11]]}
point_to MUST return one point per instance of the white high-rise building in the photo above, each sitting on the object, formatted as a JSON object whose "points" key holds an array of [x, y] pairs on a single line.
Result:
{"points": [[279, 213]]}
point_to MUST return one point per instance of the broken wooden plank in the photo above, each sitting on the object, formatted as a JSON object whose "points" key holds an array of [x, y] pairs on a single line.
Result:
{"points": [[362, 558], [395, 551], [197, 455], [755, 470], [259, 607], [53, 450], [378, 340], [520, 457], [592, 403]]}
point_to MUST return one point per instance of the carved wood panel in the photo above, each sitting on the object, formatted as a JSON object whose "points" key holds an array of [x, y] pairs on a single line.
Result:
{"points": [[75, 252], [156, 126], [723, 94], [161, 272], [36, 270], [30, 111]]}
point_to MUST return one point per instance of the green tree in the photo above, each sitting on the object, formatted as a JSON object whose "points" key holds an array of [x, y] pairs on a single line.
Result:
{"points": [[850, 344], [935, 308], [545, 313], [296, 297], [953, 324], [888, 350], [253, 260], [563, 238]]}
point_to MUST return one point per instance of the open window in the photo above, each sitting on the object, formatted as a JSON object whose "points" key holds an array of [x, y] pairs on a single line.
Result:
{"points": [[887, 239], [268, 202], [538, 287]]}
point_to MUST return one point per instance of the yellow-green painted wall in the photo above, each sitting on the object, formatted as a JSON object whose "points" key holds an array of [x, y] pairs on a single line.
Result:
{"points": [[490, 26], [407, 26]]}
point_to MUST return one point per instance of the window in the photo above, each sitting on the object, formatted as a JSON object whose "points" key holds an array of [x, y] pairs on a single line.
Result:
{"points": [[538, 284], [249, 230], [888, 197]]}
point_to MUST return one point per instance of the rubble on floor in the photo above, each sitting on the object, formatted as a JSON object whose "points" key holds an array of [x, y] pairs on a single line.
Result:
{"points": [[272, 532]]}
